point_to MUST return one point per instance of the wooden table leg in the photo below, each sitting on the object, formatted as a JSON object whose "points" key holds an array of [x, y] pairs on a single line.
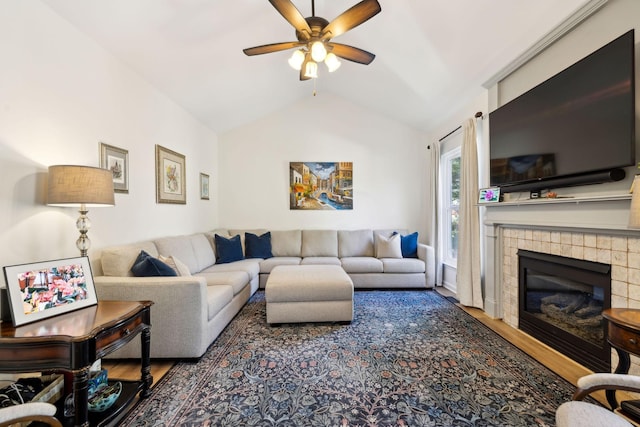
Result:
{"points": [[81, 397], [147, 379], [624, 363]]}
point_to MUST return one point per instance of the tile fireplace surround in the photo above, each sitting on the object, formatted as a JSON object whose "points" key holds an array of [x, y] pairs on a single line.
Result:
{"points": [[587, 231]]}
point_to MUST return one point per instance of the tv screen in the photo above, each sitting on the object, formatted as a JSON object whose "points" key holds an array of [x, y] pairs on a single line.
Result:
{"points": [[579, 122]]}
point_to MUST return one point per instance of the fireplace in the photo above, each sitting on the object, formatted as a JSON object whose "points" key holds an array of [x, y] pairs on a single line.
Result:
{"points": [[561, 302]]}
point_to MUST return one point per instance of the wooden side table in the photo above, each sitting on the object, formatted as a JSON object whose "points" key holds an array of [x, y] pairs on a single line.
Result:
{"points": [[624, 336], [71, 342]]}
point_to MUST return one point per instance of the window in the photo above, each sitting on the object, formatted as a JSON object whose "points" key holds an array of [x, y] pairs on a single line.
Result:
{"points": [[450, 179]]}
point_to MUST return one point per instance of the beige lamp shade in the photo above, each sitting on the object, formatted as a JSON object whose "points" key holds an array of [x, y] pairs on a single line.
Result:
{"points": [[77, 185], [634, 211]]}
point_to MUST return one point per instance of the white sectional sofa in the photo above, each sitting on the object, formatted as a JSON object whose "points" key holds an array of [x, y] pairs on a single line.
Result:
{"points": [[192, 309]]}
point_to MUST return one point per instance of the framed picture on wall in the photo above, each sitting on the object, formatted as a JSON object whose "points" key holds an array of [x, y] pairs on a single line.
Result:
{"points": [[170, 176], [321, 186], [44, 289], [204, 186], [117, 161]]}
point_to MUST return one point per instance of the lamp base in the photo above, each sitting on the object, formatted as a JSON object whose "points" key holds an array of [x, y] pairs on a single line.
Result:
{"points": [[83, 224]]}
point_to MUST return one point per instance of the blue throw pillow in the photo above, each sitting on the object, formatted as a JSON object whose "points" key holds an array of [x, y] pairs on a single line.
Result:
{"points": [[257, 246], [147, 266], [409, 245], [228, 250]]}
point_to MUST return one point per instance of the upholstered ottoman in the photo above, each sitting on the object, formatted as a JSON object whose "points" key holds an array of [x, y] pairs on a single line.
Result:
{"points": [[309, 293]]}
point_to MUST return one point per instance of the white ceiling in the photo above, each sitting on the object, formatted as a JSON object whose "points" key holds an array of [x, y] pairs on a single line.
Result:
{"points": [[432, 56]]}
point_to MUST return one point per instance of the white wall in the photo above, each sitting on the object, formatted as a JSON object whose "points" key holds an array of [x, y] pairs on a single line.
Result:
{"points": [[60, 95], [389, 167]]}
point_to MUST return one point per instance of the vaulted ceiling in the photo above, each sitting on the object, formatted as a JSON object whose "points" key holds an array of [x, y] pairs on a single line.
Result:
{"points": [[432, 56]]}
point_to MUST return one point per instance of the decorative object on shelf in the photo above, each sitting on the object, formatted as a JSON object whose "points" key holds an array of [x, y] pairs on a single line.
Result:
{"points": [[314, 36], [321, 185], [104, 397], [634, 211], [489, 195], [204, 186], [170, 176], [97, 379], [80, 186], [45, 289], [117, 161]]}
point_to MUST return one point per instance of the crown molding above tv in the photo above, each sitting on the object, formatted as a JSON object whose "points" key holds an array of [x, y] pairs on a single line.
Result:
{"points": [[547, 40]]}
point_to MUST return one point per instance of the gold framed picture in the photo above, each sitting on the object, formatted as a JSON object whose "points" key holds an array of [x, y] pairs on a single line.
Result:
{"points": [[170, 176]]}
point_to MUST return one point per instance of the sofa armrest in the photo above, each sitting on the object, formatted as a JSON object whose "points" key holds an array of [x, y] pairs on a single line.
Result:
{"points": [[179, 312], [428, 255]]}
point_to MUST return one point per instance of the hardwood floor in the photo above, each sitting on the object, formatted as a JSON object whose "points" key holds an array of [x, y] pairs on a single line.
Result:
{"points": [[129, 369]]}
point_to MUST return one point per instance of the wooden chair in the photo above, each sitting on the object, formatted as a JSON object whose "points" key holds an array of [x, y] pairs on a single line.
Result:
{"points": [[582, 414], [32, 411]]}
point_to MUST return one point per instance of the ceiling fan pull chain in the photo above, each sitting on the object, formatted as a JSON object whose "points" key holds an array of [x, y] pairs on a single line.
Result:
{"points": [[314, 87]]}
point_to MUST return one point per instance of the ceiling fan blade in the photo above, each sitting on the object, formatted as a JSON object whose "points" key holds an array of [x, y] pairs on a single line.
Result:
{"points": [[293, 16], [351, 53], [351, 18], [269, 48]]}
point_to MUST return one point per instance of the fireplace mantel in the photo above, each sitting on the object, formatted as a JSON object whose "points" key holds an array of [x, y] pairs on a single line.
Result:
{"points": [[606, 216]]}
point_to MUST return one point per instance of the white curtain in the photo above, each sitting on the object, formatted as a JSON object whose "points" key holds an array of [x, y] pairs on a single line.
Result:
{"points": [[434, 190], [469, 285]]}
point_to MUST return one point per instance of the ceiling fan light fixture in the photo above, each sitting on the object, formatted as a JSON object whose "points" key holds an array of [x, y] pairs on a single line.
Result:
{"points": [[332, 62], [296, 60], [318, 51], [311, 70]]}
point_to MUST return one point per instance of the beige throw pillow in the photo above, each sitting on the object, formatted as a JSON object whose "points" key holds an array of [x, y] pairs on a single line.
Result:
{"points": [[388, 247], [173, 262]]}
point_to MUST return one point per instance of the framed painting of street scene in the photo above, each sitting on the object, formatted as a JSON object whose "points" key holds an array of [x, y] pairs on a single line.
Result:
{"points": [[321, 185]]}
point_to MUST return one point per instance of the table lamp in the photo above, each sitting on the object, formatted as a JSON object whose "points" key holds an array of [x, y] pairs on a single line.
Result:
{"points": [[82, 187]]}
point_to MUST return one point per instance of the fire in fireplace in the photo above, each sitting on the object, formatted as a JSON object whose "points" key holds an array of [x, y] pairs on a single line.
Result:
{"points": [[561, 302]]}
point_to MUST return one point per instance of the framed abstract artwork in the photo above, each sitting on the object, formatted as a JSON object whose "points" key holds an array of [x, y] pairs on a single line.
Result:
{"points": [[170, 176], [321, 185], [204, 186], [117, 161], [44, 289]]}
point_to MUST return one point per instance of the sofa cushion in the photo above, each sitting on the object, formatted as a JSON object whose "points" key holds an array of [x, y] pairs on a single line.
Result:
{"points": [[268, 264], [180, 267], [147, 266], [181, 248], [319, 243], [355, 243], [286, 243], [257, 246], [205, 256], [117, 260], [388, 247], [250, 266], [218, 297], [319, 260], [228, 250], [403, 265], [237, 280], [361, 265]]}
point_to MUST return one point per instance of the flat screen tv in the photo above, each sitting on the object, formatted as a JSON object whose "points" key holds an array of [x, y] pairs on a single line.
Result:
{"points": [[577, 127]]}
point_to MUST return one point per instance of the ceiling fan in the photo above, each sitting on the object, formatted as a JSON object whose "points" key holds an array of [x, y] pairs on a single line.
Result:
{"points": [[314, 36]]}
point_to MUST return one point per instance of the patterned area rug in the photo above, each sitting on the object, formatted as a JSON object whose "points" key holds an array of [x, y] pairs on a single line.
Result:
{"points": [[409, 358]]}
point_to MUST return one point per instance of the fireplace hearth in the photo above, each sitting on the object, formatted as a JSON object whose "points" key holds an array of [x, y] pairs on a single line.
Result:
{"points": [[561, 302]]}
